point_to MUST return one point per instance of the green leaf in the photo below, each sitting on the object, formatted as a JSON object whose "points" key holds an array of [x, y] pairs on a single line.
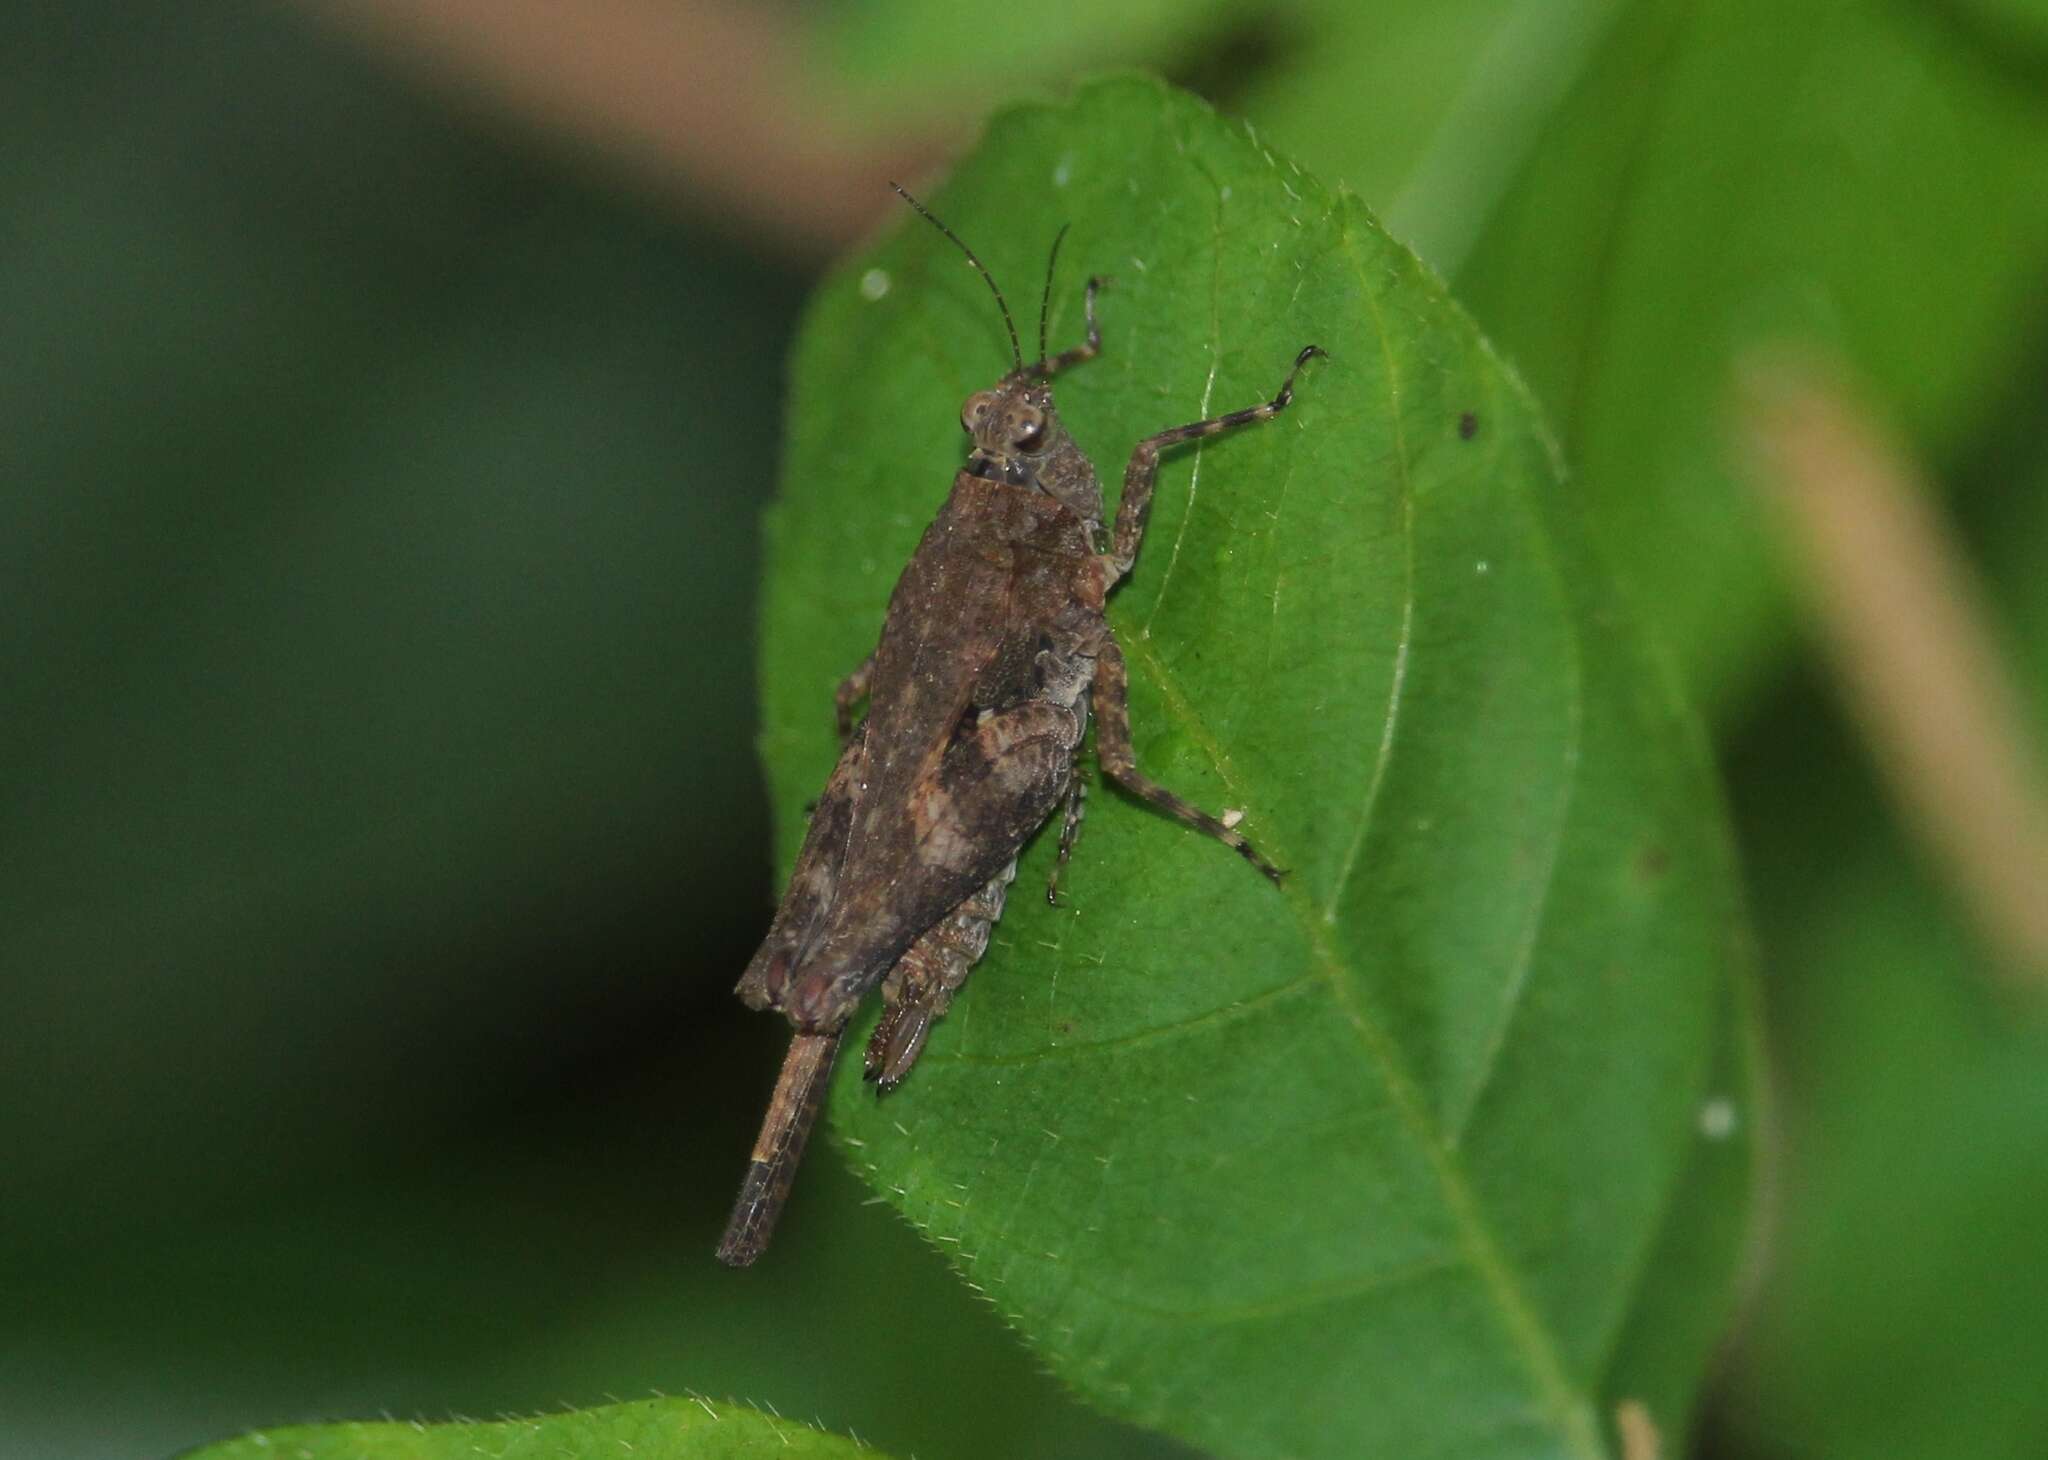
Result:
{"points": [[648, 1429], [1406, 1156]]}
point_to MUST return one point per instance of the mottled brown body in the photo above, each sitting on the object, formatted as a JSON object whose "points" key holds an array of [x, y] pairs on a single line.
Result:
{"points": [[976, 706], [993, 650]]}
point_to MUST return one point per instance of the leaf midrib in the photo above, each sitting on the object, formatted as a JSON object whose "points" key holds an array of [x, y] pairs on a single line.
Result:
{"points": [[1466, 1107], [1325, 1294]]}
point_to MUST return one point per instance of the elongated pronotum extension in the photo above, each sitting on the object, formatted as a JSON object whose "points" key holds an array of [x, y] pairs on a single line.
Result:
{"points": [[792, 1111]]}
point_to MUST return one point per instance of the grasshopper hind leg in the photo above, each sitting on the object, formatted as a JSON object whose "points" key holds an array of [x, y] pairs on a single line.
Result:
{"points": [[921, 986]]}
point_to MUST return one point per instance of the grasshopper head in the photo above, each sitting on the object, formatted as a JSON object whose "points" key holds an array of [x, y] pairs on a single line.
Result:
{"points": [[1014, 426], [1019, 438]]}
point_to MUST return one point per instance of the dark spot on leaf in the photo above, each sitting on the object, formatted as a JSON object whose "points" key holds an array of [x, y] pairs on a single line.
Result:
{"points": [[1653, 862], [1468, 425]]}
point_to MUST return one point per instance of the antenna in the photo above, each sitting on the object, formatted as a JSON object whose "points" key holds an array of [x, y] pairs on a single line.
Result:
{"points": [[1009, 324], [1045, 299]]}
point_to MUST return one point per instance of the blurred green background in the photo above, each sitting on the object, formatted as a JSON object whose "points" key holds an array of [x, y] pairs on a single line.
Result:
{"points": [[387, 422]]}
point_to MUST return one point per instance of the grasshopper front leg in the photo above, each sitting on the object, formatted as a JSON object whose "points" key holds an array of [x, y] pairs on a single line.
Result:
{"points": [[1090, 346], [1135, 506]]}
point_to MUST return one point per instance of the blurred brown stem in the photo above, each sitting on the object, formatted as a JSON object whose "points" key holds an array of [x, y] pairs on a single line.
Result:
{"points": [[1908, 635], [1637, 1431], [686, 94]]}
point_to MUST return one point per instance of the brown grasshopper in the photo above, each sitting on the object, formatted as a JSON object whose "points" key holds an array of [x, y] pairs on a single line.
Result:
{"points": [[992, 650]]}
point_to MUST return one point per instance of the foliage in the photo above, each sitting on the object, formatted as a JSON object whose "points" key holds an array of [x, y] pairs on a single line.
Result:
{"points": [[381, 842]]}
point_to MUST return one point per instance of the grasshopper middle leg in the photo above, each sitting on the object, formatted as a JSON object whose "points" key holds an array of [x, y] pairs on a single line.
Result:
{"points": [[1113, 750]]}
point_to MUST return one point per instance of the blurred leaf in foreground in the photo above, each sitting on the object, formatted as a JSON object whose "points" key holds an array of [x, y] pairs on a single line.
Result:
{"points": [[650, 1429], [1443, 1147]]}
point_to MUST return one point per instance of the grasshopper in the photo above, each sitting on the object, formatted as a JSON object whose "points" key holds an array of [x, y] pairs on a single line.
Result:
{"points": [[993, 650]]}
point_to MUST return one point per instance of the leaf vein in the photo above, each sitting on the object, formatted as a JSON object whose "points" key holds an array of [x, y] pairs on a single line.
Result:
{"points": [[1285, 1305], [1223, 1014], [1512, 991], [1208, 393], [1397, 687]]}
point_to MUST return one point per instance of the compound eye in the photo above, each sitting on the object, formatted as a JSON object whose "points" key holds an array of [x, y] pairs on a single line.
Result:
{"points": [[1027, 428], [976, 411]]}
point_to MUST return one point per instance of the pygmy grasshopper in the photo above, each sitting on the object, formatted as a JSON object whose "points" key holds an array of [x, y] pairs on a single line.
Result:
{"points": [[993, 649]]}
